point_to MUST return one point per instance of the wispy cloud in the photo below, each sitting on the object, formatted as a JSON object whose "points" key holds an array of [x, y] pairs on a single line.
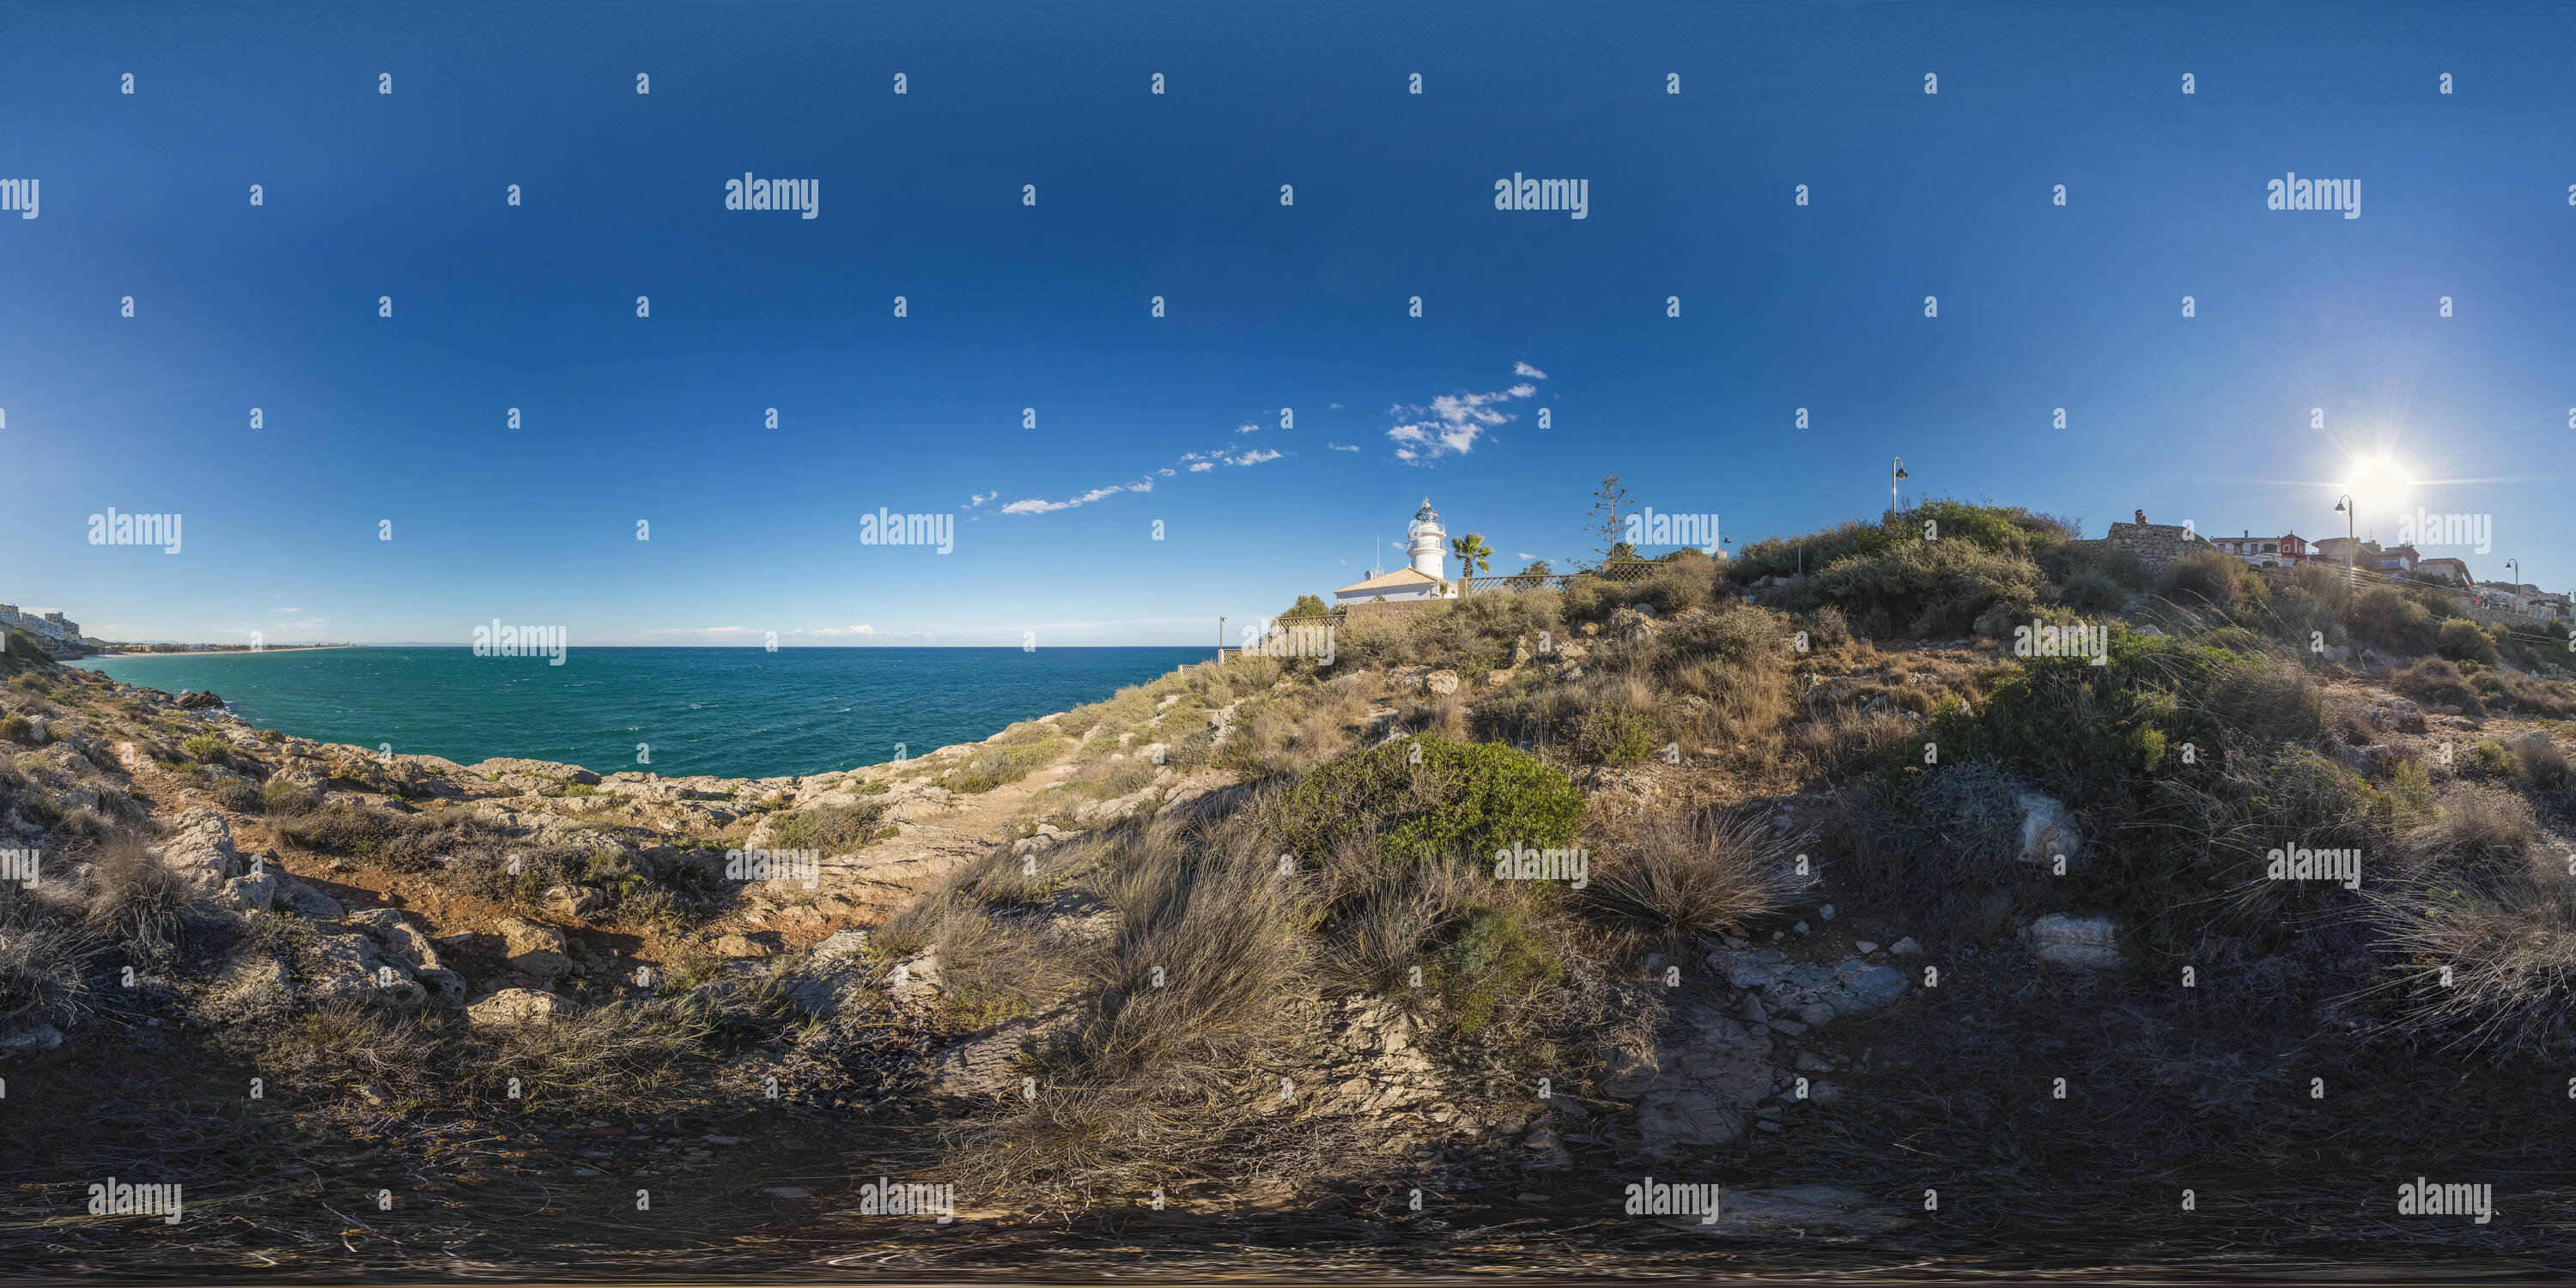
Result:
{"points": [[980, 498], [1194, 462], [1339, 447], [1247, 427], [1452, 423]]}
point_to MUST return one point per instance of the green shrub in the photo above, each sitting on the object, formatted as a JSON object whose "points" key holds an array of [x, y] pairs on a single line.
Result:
{"points": [[2393, 622], [2207, 578], [1497, 959], [2093, 592], [1461, 800], [280, 795], [209, 749], [1929, 588], [2462, 640]]}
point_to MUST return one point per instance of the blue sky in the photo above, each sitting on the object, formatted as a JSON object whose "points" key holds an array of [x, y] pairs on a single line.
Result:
{"points": [[1011, 306]]}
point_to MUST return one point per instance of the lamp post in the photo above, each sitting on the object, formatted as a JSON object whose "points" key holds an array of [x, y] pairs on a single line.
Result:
{"points": [[2351, 544], [1896, 471]]}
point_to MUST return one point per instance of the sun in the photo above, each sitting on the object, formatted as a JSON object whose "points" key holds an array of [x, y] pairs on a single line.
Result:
{"points": [[2378, 483]]}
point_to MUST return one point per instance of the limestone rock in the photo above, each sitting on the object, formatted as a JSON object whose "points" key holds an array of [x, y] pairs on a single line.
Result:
{"points": [[532, 948], [2047, 830], [251, 893], [2086, 943], [305, 901], [201, 847], [574, 902], [1440, 683], [518, 1006]]}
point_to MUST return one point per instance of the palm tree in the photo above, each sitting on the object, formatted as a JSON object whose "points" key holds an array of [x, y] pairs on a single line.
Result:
{"points": [[1474, 556]]}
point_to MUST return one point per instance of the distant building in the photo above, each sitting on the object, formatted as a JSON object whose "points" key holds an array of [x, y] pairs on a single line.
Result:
{"points": [[1425, 578], [2452, 572], [2285, 551], [2396, 561]]}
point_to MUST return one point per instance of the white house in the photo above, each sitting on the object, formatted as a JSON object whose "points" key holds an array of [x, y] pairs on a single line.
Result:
{"points": [[1426, 577]]}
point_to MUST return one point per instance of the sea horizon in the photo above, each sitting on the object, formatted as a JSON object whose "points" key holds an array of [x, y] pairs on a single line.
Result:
{"points": [[674, 710]]}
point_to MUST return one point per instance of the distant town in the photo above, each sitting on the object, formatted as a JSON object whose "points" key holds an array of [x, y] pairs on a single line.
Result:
{"points": [[61, 637]]}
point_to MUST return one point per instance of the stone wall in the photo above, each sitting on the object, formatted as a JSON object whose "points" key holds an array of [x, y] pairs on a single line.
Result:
{"points": [[2156, 545]]}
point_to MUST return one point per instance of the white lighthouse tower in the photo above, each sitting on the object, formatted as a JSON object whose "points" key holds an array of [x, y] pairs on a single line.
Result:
{"points": [[1430, 547]]}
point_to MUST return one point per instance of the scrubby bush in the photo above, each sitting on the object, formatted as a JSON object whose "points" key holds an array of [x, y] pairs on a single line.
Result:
{"points": [[1009, 761], [2395, 623], [208, 749], [1426, 799], [2435, 682], [340, 827], [16, 728], [1688, 875], [832, 829], [2092, 592], [1495, 963], [2206, 578], [1929, 588], [283, 795], [2462, 640]]}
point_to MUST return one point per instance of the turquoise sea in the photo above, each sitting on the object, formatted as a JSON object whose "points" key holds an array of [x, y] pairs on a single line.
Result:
{"points": [[738, 713]]}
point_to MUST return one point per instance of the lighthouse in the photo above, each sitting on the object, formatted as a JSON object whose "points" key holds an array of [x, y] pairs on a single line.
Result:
{"points": [[1430, 547]]}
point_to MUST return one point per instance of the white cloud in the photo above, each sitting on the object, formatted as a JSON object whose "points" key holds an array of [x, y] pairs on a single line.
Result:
{"points": [[290, 610], [1452, 423], [1333, 406], [1247, 428], [1195, 462], [980, 498], [1341, 448]]}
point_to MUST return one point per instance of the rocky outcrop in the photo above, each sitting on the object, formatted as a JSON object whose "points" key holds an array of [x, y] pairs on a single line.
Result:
{"points": [[200, 848]]}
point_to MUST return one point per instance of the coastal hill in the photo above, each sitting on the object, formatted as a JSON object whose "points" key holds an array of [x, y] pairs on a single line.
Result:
{"points": [[2005, 866]]}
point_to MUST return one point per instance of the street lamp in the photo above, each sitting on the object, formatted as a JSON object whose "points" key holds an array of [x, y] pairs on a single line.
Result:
{"points": [[2351, 544], [1898, 473]]}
